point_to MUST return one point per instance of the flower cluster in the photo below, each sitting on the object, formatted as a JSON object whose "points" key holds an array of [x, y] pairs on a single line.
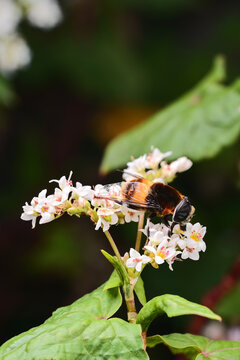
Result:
{"points": [[104, 206], [53, 206], [153, 167], [164, 246], [14, 51], [77, 200], [101, 203]]}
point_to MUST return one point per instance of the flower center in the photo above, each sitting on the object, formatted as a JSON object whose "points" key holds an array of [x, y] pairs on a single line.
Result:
{"points": [[45, 208], [163, 252], [196, 236]]}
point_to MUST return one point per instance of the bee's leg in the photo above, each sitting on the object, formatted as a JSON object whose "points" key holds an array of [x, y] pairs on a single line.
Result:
{"points": [[165, 221]]}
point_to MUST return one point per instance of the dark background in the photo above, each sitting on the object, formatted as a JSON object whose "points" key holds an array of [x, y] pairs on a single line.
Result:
{"points": [[107, 67]]}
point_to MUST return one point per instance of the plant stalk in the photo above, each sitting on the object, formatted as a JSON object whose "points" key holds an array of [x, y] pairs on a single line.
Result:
{"points": [[130, 301], [113, 245], [139, 233]]}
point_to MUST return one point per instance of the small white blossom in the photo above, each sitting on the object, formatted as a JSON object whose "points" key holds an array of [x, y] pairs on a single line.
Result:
{"points": [[81, 191], [194, 236], [106, 217], [101, 191], [136, 260], [157, 238], [161, 253], [10, 15], [153, 228], [42, 13], [29, 214], [64, 184], [14, 53]]}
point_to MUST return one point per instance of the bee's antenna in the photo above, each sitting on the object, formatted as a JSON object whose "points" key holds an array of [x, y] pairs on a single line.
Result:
{"points": [[136, 176]]}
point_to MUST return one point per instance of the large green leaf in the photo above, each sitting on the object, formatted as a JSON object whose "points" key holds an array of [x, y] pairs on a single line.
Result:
{"points": [[197, 125], [196, 347], [172, 305], [80, 331], [114, 281], [140, 291]]}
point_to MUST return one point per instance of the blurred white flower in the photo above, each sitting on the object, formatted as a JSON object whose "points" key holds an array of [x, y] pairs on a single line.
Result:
{"points": [[136, 260], [10, 15], [154, 158], [14, 53], [135, 168], [169, 171], [181, 164], [42, 13]]}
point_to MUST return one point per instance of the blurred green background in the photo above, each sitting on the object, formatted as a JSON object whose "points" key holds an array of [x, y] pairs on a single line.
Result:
{"points": [[107, 67]]}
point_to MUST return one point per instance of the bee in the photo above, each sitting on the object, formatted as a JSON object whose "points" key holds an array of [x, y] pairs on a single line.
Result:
{"points": [[155, 198]]}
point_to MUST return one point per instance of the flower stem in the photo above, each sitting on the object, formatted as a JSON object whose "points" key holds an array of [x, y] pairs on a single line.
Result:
{"points": [[139, 233], [130, 301], [113, 245]]}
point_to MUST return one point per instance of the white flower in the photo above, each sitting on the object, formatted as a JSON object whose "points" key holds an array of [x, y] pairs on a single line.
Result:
{"points": [[45, 207], [136, 260], [42, 13], [153, 228], [10, 15], [40, 206], [155, 157], [130, 214], [162, 253], [64, 184], [191, 253], [81, 191], [194, 236], [157, 237], [29, 214], [106, 217], [181, 164], [135, 167], [101, 191], [14, 53], [168, 171]]}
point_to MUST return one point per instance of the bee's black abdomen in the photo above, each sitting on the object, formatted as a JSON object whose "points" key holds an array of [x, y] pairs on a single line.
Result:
{"points": [[164, 196]]}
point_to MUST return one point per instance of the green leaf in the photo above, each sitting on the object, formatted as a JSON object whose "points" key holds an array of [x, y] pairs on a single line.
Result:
{"points": [[198, 125], [140, 291], [198, 347], [80, 331], [172, 305], [118, 266], [114, 281]]}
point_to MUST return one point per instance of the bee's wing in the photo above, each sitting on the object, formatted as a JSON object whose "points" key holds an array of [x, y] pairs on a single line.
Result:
{"points": [[133, 194], [137, 194]]}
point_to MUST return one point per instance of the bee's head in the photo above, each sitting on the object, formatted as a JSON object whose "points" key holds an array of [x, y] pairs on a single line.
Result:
{"points": [[183, 212]]}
